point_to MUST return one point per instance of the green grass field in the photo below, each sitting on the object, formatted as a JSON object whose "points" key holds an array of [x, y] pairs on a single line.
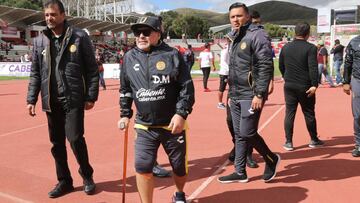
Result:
{"points": [[13, 78], [276, 67]]}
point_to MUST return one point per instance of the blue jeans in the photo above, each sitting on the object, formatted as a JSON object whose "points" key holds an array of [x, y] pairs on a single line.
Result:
{"points": [[337, 67], [327, 76]]}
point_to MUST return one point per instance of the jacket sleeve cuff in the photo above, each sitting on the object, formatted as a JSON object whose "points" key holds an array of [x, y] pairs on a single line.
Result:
{"points": [[126, 113], [182, 113]]}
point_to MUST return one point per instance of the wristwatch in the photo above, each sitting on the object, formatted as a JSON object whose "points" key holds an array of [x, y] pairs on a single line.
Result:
{"points": [[259, 96]]}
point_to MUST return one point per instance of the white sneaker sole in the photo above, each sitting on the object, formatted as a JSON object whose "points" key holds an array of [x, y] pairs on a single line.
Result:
{"points": [[288, 149], [315, 146], [234, 181]]}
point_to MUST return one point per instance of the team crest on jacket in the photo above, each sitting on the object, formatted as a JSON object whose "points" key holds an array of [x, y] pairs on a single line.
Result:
{"points": [[73, 48], [243, 45], [160, 65]]}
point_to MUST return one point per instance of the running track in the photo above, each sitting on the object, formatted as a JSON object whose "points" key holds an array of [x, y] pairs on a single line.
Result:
{"points": [[328, 174]]}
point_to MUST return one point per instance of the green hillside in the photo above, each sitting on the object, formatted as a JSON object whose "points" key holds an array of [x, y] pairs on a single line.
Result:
{"points": [[290, 13]]}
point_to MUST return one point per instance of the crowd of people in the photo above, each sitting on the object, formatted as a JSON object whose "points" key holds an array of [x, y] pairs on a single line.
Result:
{"points": [[156, 77]]}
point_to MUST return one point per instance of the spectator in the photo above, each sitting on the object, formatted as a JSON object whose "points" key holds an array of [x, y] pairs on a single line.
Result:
{"points": [[189, 57], [322, 58], [206, 60], [338, 51]]}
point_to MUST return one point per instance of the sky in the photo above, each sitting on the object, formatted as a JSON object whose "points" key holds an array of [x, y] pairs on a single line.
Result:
{"points": [[156, 6]]}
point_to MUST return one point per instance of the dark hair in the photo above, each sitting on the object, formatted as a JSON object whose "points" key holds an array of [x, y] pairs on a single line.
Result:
{"points": [[255, 14], [302, 29], [55, 2], [239, 5], [189, 46], [337, 41]]}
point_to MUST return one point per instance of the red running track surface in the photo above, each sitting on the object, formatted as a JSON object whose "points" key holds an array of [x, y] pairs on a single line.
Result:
{"points": [[328, 174]]}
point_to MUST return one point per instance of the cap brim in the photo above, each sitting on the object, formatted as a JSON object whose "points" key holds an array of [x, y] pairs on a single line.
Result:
{"points": [[139, 25]]}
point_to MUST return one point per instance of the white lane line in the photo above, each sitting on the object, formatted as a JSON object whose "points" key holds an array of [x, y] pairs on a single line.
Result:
{"points": [[212, 177], [13, 198], [45, 124]]}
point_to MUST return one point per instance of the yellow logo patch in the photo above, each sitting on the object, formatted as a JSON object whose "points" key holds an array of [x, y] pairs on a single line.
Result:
{"points": [[160, 65], [243, 46], [72, 48]]}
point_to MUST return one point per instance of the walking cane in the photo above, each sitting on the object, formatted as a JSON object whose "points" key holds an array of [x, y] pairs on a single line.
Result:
{"points": [[122, 126]]}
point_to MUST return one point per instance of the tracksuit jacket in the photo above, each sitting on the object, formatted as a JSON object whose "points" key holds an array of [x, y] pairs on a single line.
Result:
{"points": [[159, 84], [352, 60], [251, 66]]}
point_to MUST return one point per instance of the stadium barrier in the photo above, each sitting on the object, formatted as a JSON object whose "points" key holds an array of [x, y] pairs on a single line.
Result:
{"points": [[18, 69]]}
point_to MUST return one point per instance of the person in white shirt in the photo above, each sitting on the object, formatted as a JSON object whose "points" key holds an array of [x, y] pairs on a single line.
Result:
{"points": [[223, 73], [206, 60]]}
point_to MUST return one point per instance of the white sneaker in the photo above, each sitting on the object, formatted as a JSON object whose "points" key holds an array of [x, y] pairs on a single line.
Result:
{"points": [[221, 106]]}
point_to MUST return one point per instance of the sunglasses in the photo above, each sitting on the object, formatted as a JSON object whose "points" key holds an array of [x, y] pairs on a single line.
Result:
{"points": [[145, 32]]}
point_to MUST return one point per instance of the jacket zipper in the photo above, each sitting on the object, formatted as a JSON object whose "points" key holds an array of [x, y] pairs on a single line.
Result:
{"points": [[148, 78], [47, 58], [63, 45], [83, 80]]}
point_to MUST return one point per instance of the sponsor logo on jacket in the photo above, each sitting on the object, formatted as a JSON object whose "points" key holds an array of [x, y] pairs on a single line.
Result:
{"points": [[144, 95]]}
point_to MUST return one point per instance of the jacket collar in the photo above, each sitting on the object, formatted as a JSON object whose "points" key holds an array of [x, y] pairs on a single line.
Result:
{"points": [[235, 33]]}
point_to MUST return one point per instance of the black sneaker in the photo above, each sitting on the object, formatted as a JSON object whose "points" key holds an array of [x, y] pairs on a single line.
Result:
{"points": [[288, 146], [251, 163], [61, 189], [233, 178], [316, 143], [159, 171], [89, 186], [356, 152], [270, 169], [179, 197], [232, 155]]}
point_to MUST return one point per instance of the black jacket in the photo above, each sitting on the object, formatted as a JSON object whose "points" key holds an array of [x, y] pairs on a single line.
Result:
{"points": [[159, 83], [338, 52], [77, 69], [251, 66], [352, 60]]}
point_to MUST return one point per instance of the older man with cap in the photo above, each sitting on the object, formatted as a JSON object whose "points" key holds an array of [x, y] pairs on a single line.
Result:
{"points": [[156, 78]]}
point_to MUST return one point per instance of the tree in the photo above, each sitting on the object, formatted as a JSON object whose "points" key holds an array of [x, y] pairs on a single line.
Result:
{"points": [[34, 4], [275, 31], [168, 17], [191, 26]]}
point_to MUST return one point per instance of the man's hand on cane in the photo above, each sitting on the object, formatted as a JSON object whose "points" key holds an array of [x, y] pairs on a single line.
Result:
{"points": [[123, 123]]}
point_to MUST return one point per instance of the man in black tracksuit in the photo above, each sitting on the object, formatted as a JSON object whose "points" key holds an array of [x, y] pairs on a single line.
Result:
{"points": [[299, 68], [352, 84], [65, 71], [250, 71], [156, 78]]}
